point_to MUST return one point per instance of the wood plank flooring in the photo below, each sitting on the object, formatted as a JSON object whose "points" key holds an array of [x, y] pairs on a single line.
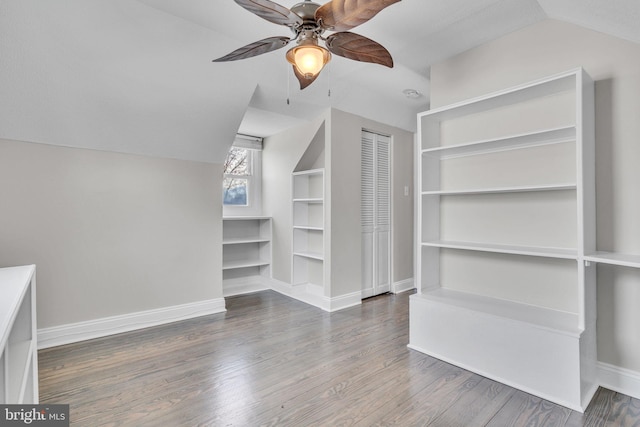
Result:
{"points": [[273, 361]]}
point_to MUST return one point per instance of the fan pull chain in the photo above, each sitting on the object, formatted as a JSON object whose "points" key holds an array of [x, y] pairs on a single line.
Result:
{"points": [[288, 84], [329, 82]]}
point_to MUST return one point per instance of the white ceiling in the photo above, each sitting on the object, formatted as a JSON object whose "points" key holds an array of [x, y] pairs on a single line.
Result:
{"points": [[136, 75]]}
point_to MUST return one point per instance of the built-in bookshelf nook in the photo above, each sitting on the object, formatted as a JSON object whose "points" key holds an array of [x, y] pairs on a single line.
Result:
{"points": [[246, 253], [506, 221], [308, 230]]}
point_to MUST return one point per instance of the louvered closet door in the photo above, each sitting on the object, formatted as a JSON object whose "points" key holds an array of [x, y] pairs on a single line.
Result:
{"points": [[376, 214]]}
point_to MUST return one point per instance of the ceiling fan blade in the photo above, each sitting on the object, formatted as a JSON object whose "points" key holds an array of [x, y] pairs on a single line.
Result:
{"points": [[255, 49], [304, 82], [359, 48], [342, 15], [272, 12]]}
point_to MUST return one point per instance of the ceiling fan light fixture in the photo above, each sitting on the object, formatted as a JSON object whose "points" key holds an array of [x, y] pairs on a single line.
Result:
{"points": [[308, 58], [308, 21]]}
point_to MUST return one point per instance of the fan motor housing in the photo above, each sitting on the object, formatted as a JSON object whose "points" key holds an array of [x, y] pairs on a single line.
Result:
{"points": [[307, 11]]}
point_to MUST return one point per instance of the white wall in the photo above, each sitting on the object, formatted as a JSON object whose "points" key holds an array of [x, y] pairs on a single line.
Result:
{"points": [[547, 48], [346, 232], [110, 233]]}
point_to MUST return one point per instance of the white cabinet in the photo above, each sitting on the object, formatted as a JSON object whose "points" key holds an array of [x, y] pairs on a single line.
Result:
{"points": [[506, 216], [308, 229], [18, 335], [246, 254]]}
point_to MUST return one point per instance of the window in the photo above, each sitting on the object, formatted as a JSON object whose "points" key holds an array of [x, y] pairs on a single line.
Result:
{"points": [[237, 177], [242, 180]]}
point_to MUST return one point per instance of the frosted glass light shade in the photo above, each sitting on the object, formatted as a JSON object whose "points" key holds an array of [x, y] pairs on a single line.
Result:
{"points": [[309, 59]]}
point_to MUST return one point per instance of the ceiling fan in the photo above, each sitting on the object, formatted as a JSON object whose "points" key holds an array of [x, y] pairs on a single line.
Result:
{"points": [[308, 21]]}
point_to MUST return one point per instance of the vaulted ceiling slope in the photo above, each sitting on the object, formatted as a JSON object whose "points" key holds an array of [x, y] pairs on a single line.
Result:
{"points": [[136, 76], [116, 75]]}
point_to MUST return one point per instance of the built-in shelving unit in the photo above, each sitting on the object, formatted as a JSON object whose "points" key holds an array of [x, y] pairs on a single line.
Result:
{"points": [[246, 254], [506, 221], [308, 229], [18, 336]]}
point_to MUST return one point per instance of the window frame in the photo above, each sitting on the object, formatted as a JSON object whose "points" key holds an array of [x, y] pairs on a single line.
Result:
{"points": [[248, 177], [254, 178]]}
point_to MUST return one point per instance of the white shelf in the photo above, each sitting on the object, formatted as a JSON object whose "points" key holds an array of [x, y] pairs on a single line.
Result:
{"points": [[313, 255], [307, 227], [531, 139], [242, 240], [562, 253], [514, 189], [228, 265], [245, 218], [309, 172], [309, 200], [558, 83], [308, 186], [613, 258], [553, 320]]}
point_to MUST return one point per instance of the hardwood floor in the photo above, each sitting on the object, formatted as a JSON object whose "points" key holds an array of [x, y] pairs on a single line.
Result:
{"points": [[273, 361]]}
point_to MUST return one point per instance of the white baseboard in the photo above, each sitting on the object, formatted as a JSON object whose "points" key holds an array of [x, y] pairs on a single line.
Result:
{"points": [[403, 286], [345, 301], [309, 295], [244, 285], [75, 332], [97, 328], [619, 379]]}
